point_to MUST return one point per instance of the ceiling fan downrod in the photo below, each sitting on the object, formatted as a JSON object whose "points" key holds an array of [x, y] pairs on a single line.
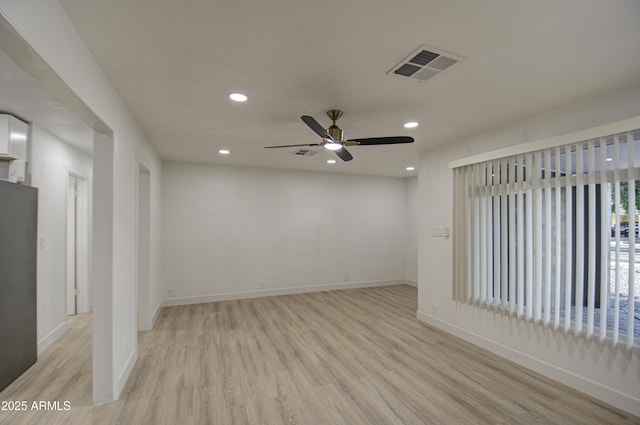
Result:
{"points": [[335, 131]]}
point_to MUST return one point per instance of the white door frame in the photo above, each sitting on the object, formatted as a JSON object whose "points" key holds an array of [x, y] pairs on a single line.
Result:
{"points": [[78, 291], [71, 238], [143, 249]]}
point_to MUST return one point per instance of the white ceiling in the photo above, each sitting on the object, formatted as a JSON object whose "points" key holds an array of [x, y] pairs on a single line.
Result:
{"points": [[174, 63]]}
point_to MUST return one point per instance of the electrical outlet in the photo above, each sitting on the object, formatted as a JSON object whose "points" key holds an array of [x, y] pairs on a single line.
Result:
{"points": [[171, 292], [440, 232], [346, 278], [434, 308], [261, 285]]}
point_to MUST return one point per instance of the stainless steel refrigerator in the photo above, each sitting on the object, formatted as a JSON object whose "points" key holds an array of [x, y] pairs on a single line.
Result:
{"points": [[18, 251]]}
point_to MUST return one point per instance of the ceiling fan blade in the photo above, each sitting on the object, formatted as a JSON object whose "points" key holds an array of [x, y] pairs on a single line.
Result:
{"points": [[292, 146], [316, 127], [344, 154], [382, 140]]}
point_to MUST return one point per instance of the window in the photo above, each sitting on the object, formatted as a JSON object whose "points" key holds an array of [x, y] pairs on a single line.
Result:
{"points": [[541, 235]]}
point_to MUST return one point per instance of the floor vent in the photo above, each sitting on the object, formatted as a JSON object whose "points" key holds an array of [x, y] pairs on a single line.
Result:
{"points": [[305, 152], [424, 63]]}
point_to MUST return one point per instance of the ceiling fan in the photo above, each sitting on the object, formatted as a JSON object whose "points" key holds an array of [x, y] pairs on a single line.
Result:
{"points": [[332, 137]]}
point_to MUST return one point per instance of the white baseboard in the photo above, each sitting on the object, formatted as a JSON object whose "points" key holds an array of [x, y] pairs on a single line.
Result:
{"points": [[594, 389], [52, 337], [411, 283], [230, 296]]}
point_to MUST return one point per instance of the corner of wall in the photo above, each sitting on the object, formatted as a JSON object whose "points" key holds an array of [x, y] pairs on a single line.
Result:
{"points": [[126, 371], [51, 337]]}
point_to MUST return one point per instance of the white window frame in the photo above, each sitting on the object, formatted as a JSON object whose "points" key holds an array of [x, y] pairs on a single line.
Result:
{"points": [[475, 263]]}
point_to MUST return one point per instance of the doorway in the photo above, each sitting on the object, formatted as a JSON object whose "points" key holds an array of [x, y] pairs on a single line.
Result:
{"points": [[77, 246], [143, 243], [100, 208]]}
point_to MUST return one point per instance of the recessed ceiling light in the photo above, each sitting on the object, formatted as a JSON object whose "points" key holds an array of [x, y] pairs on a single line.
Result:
{"points": [[609, 159], [238, 97], [224, 151], [411, 124], [331, 161], [410, 168]]}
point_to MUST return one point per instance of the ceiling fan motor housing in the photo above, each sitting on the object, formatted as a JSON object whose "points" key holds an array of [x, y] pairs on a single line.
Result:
{"points": [[336, 132]]}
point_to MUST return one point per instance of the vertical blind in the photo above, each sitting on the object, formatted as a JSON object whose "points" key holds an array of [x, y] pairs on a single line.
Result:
{"points": [[542, 236]]}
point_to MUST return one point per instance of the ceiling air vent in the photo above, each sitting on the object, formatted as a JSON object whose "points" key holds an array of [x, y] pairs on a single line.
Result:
{"points": [[424, 63], [305, 152]]}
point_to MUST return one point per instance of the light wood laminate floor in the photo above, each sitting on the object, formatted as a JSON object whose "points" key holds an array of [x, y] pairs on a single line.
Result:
{"points": [[344, 357]]}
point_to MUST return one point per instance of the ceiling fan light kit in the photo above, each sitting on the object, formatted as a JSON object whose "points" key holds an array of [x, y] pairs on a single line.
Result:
{"points": [[333, 137], [332, 146]]}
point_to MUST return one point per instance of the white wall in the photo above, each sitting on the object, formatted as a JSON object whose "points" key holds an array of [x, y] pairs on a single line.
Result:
{"points": [[610, 374], [226, 229], [43, 24], [411, 238], [51, 162]]}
